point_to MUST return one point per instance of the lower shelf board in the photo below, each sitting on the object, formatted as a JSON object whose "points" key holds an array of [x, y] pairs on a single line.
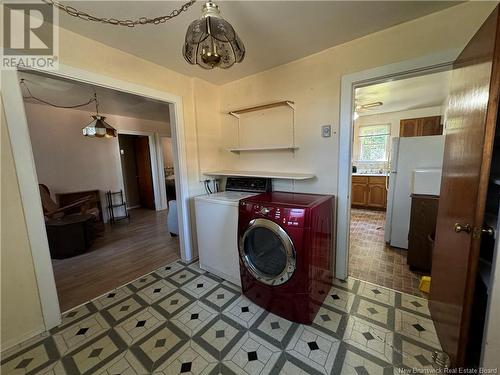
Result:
{"points": [[278, 175]]}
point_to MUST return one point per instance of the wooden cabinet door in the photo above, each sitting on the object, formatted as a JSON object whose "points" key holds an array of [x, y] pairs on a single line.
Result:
{"points": [[408, 128], [377, 196], [430, 126], [466, 166], [424, 209], [359, 194]]}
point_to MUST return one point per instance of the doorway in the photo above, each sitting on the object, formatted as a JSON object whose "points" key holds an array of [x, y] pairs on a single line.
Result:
{"points": [[397, 154], [135, 156], [22, 147]]}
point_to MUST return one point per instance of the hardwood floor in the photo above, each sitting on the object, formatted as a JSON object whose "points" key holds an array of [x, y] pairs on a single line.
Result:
{"points": [[123, 253]]}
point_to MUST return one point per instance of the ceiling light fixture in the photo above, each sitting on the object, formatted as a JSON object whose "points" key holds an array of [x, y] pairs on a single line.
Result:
{"points": [[212, 42], [98, 127]]}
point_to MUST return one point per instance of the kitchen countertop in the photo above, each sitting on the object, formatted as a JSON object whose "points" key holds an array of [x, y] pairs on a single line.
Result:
{"points": [[370, 174]]}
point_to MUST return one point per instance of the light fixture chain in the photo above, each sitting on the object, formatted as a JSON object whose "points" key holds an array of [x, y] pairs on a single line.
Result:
{"points": [[117, 22]]}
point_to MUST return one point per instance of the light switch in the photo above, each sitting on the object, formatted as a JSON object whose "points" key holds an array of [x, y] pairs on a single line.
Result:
{"points": [[326, 131]]}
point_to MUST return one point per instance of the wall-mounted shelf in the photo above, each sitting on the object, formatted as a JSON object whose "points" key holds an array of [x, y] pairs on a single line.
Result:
{"points": [[279, 175], [270, 148], [238, 112]]}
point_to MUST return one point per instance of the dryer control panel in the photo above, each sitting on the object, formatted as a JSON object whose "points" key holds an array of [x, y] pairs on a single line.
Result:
{"points": [[285, 216]]}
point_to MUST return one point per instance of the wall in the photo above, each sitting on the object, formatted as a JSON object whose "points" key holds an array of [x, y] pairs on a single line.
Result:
{"points": [[67, 161], [313, 83], [21, 314], [168, 157], [392, 118]]}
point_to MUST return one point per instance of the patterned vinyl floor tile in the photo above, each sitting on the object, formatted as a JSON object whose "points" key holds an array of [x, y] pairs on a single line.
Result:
{"points": [[183, 320]]}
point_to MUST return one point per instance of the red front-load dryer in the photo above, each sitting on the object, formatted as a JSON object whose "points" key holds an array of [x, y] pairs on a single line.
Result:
{"points": [[286, 251]]}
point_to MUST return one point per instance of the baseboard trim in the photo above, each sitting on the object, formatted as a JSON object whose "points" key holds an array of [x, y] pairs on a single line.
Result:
{"points": [[9, 344]]}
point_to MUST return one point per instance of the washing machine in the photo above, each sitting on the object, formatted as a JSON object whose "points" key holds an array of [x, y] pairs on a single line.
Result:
{"points": [[285, 245], [216, 226]]}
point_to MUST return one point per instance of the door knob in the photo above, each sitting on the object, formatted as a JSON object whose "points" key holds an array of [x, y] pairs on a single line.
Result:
{"points": [[488, 231], [462, 228]]}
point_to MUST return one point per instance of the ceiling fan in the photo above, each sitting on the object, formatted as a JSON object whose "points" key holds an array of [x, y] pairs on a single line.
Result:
{"points": [[362, 107]]}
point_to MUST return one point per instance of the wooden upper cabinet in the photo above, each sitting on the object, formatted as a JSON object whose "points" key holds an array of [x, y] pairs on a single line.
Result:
{"points": [[417, 127], [408, 128], [431, 126]]}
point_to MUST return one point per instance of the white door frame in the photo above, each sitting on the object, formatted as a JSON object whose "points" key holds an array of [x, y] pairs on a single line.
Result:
{"points": [[28, 183], [157, 171], [414, 67]]}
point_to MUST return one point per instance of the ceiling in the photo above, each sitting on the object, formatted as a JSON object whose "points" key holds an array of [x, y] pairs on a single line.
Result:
{"points": [[410, 93], [66, 92], [274, 32]]}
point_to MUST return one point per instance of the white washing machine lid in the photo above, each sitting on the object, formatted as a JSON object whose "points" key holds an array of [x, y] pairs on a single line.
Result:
{"points": [[226, 197]]}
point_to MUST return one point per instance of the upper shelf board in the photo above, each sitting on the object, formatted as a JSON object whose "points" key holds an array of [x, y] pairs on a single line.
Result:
{"points": [[279, 175], [270, 148], [238, 112]]}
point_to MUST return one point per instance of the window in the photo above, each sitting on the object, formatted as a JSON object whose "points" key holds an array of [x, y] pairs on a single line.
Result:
{"points": [[373, 142]]}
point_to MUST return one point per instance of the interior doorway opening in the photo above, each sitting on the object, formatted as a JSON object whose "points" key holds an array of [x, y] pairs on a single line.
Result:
{"points": [[137, 172], [89, 184], [396, 156]]}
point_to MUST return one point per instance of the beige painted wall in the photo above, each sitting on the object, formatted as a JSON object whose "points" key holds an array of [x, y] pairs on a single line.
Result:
{"points": [[168, 157], [313, 83], [391, 118], [67, 161], [21, 314]]}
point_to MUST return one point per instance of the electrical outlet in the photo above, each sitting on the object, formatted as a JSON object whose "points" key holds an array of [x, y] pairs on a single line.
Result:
{"points": [[326, 131]]}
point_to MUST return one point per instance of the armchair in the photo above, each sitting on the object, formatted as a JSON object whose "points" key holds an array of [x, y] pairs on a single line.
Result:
{"points": [[69, 233], [52, 210]]}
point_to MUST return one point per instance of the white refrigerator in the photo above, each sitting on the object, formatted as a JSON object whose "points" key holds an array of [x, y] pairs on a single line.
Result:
{"points": [[407, 155]]}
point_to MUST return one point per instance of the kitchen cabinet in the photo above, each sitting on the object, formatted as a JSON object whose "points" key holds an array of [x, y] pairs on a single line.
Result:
{"points": [[423, 218], [417, 127], [359, 191], [369, 192]]}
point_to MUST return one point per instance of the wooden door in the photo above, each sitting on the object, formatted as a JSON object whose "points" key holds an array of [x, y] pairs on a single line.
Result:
{"points": [[470, 125], [408, 128], [430, 126], [144, 175]]}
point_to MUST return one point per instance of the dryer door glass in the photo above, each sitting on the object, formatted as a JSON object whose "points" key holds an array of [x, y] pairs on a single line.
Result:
{"points": [[265, 251], [268, 252]]}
